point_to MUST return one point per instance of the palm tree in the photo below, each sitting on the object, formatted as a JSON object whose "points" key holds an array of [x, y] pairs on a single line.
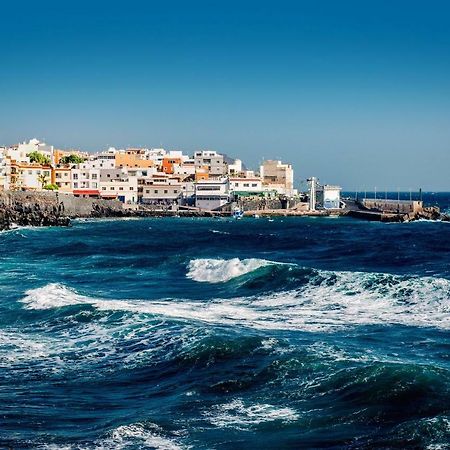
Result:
{"points": [[43, 179]]}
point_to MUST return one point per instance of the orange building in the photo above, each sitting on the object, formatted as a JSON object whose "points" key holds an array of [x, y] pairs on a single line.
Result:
{"points": [[168, 163], [201, 173], [132, 159]]}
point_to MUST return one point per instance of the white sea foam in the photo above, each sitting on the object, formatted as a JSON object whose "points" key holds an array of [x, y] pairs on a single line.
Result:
{"points": [[330, 301], [220, 232], [220, 270], [136, 434], [53, 295], [128, 436], [237, 414]]}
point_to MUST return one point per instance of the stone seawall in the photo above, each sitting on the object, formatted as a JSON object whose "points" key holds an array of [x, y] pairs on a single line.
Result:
{"points": [[52, 208]]}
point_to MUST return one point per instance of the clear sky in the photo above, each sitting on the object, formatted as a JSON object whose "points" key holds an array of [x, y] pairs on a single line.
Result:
{"points": [[354, 92]]}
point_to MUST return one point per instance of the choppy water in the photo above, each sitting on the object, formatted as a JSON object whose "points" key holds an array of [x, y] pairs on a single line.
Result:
{"points": [[213, 333]]}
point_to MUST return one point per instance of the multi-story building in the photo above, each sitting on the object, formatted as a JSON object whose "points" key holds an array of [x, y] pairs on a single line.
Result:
{"points": [[117, 183], [62, 177], [212, 161], [212, 194], [85, 179], [278, 177], [5, 169], [29, 176], [162, 194], [133, 158]]}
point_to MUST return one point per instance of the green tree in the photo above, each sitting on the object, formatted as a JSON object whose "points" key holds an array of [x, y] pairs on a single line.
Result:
{"points": [[39, 158], [71, 159], [51, 187]]}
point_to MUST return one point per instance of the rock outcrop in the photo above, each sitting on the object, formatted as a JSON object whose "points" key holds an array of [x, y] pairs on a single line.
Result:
{"points": [[52, 209]]}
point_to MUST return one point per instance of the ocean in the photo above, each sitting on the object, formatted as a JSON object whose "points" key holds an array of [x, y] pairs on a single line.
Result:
{"points": [[176, 333]]}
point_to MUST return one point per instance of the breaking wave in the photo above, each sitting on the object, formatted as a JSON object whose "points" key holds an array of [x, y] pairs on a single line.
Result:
{"points": [[221, 270], [236, 414], [323, 300]]}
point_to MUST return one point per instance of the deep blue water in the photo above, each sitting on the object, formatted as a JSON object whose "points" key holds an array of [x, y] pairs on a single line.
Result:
{"points": [[222, 334]]}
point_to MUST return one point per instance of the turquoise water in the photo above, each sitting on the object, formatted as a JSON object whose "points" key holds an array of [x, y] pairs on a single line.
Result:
{"points": [[213, 333]]}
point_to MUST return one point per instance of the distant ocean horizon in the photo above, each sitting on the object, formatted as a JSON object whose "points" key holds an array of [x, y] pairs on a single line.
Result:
{"points": [[204, 333]]}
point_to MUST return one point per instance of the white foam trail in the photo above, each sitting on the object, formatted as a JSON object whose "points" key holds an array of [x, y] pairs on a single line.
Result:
{"points": [[330, 301], [220, 270], [238, 415]]}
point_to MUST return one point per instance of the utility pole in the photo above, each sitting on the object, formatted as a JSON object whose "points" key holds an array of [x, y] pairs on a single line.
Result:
{"points": [[312, 193]]}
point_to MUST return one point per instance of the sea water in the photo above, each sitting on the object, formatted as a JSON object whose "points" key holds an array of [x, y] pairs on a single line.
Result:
{"points": [[226, 334]]}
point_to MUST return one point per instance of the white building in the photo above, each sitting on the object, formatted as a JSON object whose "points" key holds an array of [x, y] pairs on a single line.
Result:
{"points": [[5, 170], [235, 168], [211, 194], [248, 185], [161, 194], [102, 160], [86, 179], [117, 183], [331, 197], [212, 161], [19, 153]]}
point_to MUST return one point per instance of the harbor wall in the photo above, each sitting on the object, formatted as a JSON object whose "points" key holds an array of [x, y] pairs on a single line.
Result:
{"points": [[394, 206]]}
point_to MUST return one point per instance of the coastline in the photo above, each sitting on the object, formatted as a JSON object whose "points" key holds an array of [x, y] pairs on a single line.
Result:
{"points": [[21, 208]]}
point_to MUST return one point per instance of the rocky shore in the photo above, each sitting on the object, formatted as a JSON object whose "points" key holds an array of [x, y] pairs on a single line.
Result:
{"points": [[52, 209], [19, 208]]}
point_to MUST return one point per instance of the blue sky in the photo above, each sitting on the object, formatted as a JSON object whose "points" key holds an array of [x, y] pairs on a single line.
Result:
{"points": [[354, 92]]}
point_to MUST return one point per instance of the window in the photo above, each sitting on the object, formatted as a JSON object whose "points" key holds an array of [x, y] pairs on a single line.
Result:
{"points": [[254, 184], [156, 191], [165, 191], [111, 188], [75, 176], [94, 176], [75, 185], [175, 191], [246, 184], [108, 175], [104, 188], [236, 184], [94, 185], [121, 188], [131, 188]]}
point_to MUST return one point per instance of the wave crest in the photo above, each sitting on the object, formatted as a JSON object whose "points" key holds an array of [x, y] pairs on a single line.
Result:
{"points": [[207, 270]]}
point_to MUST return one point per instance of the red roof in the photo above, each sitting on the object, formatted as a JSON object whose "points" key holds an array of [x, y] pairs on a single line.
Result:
{"points": [[86, 192]]}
